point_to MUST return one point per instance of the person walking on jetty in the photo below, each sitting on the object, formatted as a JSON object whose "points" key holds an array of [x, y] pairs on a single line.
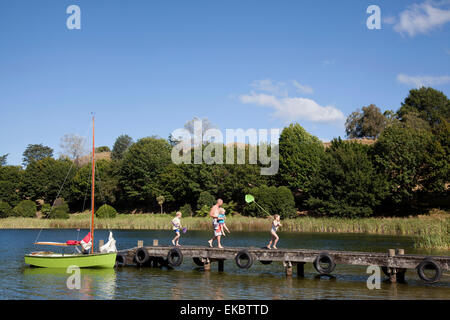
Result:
{"points": [[221, 220], [214, 214], [176, 226], [275, 224]]}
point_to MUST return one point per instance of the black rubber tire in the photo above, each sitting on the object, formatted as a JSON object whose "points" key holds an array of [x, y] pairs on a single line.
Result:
{"points": [[265, 261], [141, 256], [428, 262], [244, 254], [198, 262], [320, 258], [174, 257], [121, 260]]}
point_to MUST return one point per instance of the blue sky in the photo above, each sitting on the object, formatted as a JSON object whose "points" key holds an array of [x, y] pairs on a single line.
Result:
{"points": [[147, 67]]}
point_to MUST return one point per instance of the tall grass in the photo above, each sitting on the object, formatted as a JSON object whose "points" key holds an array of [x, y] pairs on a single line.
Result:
{"points": [[429, 231]]}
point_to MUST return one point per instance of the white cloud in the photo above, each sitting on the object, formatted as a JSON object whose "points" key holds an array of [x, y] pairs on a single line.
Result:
{"points": [[389, 20], [302, 88], [295, 108], [421, 18], [422, 81], [267, 85]]}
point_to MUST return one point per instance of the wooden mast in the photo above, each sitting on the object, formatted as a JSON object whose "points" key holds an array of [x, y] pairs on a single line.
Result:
{"points": [[93, 185]]}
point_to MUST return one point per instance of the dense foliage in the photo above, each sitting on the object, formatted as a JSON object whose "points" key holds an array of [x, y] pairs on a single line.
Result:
{"points": [[404, 170]]}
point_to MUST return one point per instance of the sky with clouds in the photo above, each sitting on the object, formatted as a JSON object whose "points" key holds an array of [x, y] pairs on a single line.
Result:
{"points": [[147, 67]]}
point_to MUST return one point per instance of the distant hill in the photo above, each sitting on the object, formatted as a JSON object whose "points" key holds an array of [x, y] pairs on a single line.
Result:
{"points": [[98, 156], [362, 141]]}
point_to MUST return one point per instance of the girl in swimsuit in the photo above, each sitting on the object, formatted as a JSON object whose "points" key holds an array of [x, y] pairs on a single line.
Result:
{"points": [[275, 224]]}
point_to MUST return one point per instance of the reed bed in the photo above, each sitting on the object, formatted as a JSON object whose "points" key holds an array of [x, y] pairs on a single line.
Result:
{"points": [[429, 231]]}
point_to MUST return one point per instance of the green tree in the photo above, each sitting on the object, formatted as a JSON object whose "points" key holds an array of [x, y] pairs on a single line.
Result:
{"points": [[275, 200], [300, 155], [5, 210], [160, 200], [347, 184], [35, 152], [140, 170], [3, 159], [429, 104], [123, 142], [10, 181], [102, 149], [205, 199], [368, 123], [410, 159], [106, 184], [43, 179], [106, 211], [59, 210], [25, 208]]}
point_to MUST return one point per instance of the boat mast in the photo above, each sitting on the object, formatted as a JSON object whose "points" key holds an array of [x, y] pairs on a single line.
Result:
{"points": [[93, 185]]}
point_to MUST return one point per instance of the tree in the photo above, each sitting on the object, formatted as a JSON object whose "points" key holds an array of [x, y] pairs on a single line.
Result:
{"points": [[123, 142], [429, 104], [10, 180], [102, 149], [410, 159], [300, 154], [106, 184], [274, 200], [25, 208], [347, 183], [43, 179], [366, 124], [73, 147], [141, 167], [160, 200], [3, 159], [35, 152]]}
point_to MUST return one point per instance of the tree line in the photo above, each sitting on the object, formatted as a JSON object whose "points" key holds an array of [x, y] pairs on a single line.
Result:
{"points": [[396, 163]]}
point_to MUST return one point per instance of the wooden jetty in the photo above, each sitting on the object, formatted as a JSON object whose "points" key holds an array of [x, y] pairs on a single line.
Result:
{"points": [[394, 263]]}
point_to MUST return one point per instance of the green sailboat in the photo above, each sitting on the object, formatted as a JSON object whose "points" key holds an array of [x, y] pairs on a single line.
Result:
{"points": [[87, 259]]}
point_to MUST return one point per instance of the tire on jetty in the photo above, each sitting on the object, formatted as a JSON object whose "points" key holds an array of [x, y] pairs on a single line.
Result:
{"points": [[141, 256], [324, 258], [174, 257], [198, 261], [121, 259], [429, 264], [246, 256]]}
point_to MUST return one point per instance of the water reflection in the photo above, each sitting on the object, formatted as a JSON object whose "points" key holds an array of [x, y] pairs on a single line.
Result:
{"points": [[95, 283]]}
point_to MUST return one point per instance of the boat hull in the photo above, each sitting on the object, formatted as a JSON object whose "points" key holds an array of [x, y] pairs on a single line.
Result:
{"points": [[52, 260]]}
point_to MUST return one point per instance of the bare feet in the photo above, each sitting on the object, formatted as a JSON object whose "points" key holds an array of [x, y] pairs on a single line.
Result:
{"points": [[178, 245], [268, 247], [220, 247], [275, 247], [173, 243], [210, 243]]}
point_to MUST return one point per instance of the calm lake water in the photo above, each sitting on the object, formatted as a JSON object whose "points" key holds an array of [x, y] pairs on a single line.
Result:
{"points": [[18, 281]]}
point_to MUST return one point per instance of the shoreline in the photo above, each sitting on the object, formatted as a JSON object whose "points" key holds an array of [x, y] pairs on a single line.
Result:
{"points": [[431, 231]]}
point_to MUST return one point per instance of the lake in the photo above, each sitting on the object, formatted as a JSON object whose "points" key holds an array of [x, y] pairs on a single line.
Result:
{"points": [[18, 281]]}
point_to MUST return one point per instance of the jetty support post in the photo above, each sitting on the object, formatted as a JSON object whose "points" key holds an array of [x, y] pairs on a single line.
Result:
{"points": [[400, 272], [220, 265], [301, 269], [155, 242], [288, 267], [392, 271], [140, 243]]}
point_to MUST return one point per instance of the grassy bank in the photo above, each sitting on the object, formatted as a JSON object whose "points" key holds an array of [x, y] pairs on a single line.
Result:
{"points": [[431, 231]]}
